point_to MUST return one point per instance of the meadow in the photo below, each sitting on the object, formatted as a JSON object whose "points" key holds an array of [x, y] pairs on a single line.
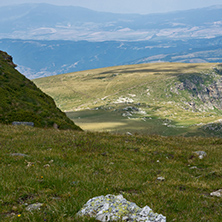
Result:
{"points": [[64, 169], [143, 99]]}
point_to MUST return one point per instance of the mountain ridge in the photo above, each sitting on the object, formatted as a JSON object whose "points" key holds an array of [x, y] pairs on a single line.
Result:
{"points": [[37, 59], [45, 21], [49, 40]]}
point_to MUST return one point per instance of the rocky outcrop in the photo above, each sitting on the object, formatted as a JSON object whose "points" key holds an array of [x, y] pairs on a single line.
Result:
{"points": [[116, 208], [202, 91], [8, 59]]}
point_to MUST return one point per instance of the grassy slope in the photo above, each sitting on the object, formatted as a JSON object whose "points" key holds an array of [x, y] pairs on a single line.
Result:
{"points": [[83, 165], [147, 84], [21, 100]]}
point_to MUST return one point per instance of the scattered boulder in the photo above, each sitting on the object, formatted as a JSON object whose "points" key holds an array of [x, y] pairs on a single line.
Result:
{"points": [[19, 154], [160, 178], [193, 167], [16, 123], [35, 206], [29, 164], [217, 193], [55, 126], [115, 208], [201, 154]]}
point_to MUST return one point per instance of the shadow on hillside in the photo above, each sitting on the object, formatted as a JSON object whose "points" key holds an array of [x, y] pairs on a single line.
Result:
{"points": [[114, 122], [168, 69], [105, 120]]}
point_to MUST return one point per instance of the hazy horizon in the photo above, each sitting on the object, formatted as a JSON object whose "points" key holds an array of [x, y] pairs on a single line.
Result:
{"points": [[127, 6]]}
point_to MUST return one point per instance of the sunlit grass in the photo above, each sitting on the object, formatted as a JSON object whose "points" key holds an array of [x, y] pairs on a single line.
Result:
{"points": [[85, 88], [90, 98], [64, 169]]}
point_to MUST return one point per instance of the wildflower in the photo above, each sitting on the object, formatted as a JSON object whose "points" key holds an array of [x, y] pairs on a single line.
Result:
{"points": [[41, 177], [19, 215]]}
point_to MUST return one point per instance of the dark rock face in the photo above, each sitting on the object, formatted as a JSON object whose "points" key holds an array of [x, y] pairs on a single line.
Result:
{"points": [[204, 89], [7, 58]]}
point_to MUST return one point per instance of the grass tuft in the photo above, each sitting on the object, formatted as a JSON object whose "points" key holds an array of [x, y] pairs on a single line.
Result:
{"points": [[64, 169]]}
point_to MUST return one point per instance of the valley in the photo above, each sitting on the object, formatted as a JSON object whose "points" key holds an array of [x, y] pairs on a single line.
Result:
{"points": [[118, 104], [70, 39], [41, 58], [33, 21], [159, 98]]}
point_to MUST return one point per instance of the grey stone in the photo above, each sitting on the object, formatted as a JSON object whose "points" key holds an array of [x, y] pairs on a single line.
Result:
{"points": [[35, 206], [18, 154], [217, 193], [201, 154], [15, 123], [55, 126], [114, 208], [161, 178], [193, 167]]}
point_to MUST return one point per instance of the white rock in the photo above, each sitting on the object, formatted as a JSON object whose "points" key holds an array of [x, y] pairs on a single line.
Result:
{"points": [[161, 178], [217, 193], [145, 211], [113, 208], [193, 167], [35, 206], [103, 217], [201, 154], [120, 197]]}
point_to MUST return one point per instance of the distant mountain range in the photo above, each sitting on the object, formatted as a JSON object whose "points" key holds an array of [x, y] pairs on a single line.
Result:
{"points": [[38, 58], [50, 22], [48, 40]]}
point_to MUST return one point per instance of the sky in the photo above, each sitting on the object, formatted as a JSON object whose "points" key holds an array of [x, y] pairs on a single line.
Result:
{"points": [[126, 6]]}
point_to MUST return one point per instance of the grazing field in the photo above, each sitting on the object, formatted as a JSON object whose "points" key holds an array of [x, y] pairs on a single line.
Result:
{"points": [[64, 169], [161, 98]]}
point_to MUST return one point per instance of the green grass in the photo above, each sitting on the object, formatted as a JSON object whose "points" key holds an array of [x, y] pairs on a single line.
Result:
{"points": [[85, 164], [22, 101], [90, 98]]}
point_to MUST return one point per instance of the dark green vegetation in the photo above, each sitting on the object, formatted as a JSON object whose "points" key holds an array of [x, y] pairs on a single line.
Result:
{"points": [[64, 169], [157, 98], [21, 100]]}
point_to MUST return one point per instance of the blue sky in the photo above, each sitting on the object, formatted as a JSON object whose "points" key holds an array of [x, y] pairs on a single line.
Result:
{"points": [[126, 6]]}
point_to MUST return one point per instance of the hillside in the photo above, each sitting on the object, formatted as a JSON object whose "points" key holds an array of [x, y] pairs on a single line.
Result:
{"points": [[160, 98], [62, 170], [21, 100]]}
